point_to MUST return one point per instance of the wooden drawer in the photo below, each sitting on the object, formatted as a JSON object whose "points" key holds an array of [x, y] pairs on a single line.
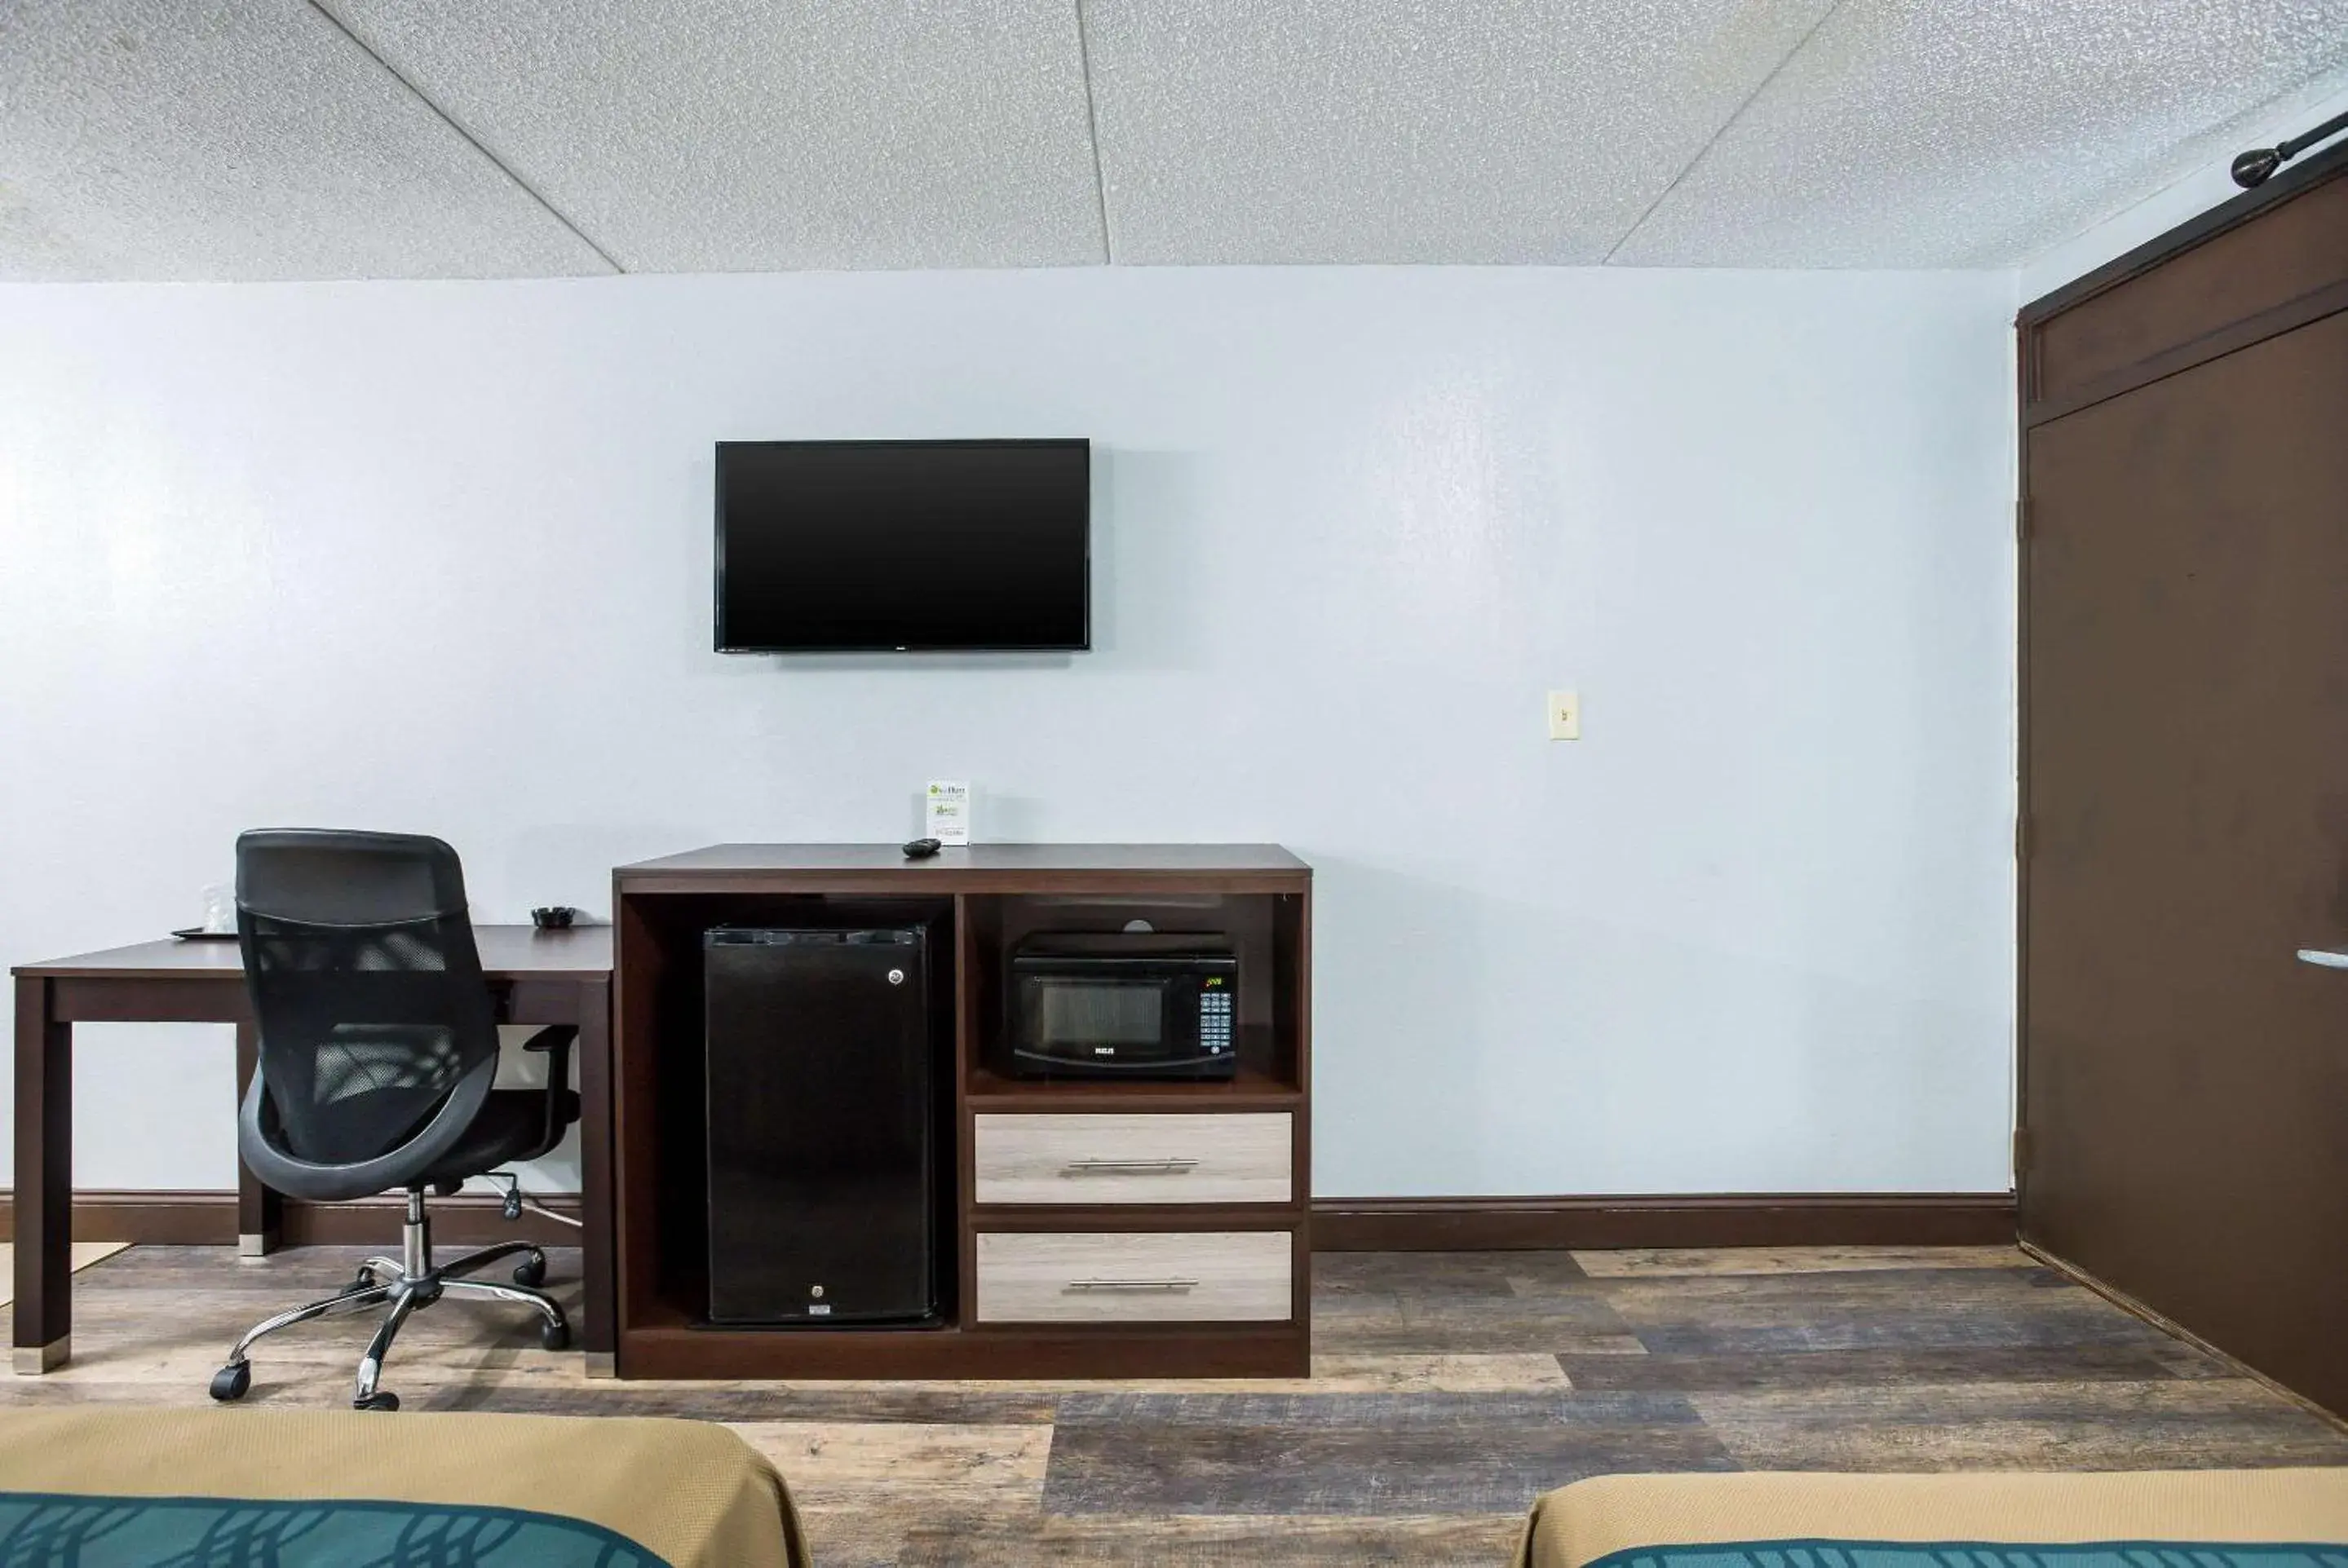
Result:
{"points": [[1182, 1157], [1133, 1277]]}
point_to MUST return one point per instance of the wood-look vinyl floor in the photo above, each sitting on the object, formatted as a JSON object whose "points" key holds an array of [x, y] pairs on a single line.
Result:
{"points": [[1449, 1389], [85, 1253]]}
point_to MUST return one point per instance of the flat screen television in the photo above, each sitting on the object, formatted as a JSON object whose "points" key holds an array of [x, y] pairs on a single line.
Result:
{"points": [[847, 546]]}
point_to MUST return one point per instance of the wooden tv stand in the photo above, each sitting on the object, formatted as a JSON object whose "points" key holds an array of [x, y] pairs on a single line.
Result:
{"points": [[1213, 1238]]}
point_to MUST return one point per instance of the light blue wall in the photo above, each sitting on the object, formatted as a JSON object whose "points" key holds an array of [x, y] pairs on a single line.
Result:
{"points": [[436, 556]]}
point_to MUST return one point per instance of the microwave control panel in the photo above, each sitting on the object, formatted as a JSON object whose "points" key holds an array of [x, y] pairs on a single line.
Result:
{"points": [[1215, 1021]]}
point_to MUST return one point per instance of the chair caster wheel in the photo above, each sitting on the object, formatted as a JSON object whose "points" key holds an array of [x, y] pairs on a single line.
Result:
{"points": [[231, 1383], [531, 1271], [554, 1336], [384, 1401]]}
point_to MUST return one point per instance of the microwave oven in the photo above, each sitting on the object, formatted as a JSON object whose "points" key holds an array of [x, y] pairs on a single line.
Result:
{"points": [[1122, 1005]]}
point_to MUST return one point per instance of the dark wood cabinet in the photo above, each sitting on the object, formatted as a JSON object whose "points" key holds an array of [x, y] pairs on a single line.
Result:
{"points": [[1098, 1228], [2184, 1078]]}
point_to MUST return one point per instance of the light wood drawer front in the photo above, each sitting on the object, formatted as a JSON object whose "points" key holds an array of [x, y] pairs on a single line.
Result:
{"points": [[1169, 1277], [1182, 1157]]}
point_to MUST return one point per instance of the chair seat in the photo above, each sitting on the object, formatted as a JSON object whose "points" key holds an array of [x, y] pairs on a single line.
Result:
{"points": [[511, 1125]]}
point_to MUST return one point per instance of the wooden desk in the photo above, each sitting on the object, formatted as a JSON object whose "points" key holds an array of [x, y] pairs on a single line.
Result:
{"points": [[539, 976]]}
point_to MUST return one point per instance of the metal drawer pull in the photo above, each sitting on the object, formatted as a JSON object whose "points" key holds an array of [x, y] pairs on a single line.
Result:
{"points": [[1122, 1167], [2324, 958], [1133, 1285]]}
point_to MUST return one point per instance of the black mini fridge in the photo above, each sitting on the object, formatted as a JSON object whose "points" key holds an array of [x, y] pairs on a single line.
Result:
{"points": [[822, 1100]]}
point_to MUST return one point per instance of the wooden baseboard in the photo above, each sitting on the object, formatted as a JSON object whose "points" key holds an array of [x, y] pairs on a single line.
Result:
{"points": [[208, 1219], [1339, 1225], [1771, 1219]]}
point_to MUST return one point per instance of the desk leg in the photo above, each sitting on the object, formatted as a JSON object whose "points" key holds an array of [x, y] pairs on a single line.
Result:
{"points": [[260, 1211], [44, 1196], [602, 1341]]}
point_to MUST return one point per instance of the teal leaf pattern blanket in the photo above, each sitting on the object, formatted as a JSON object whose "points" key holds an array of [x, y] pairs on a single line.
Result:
{"points": [[40, 1529]]}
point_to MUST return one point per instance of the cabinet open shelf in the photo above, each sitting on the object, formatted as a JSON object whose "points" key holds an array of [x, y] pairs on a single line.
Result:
{"points": [[1128, 1305]]}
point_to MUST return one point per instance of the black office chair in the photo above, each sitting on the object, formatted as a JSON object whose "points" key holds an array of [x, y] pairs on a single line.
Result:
{"points": [[378, 1048]]}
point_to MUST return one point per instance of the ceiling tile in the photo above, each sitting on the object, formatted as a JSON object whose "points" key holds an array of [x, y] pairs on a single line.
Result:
{"points": [[1929, 133], [1411, 130], [213, 139], [698, 136]]}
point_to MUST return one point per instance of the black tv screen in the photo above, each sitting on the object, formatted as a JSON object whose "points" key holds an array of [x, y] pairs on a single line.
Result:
{"points": [[903, 546]]}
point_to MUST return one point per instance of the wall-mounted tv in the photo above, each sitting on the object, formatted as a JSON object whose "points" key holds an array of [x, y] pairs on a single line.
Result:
{"points": [[851, 547]]}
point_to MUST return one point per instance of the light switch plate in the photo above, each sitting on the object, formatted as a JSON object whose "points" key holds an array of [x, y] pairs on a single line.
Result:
{"points": [[1565, 715]]}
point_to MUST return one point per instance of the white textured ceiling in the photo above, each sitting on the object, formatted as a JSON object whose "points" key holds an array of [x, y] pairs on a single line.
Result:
{"points": [[302, 139], [240, 138], [1412, 130], [1934, 133], [699, 136]]}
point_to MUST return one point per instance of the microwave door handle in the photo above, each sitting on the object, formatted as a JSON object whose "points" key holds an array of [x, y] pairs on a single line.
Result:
{"points": [[1173, 1167]]}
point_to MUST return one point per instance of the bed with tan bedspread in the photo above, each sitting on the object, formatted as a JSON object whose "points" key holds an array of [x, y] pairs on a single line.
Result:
{"points": [[2197, 1519], [115, 1488]]}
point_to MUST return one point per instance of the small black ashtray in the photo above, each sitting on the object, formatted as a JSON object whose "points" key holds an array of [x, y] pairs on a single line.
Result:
{"points": [[553, 918]]}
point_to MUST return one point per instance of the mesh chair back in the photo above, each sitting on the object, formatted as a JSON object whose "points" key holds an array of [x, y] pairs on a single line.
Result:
{"points": [[365, 982]]}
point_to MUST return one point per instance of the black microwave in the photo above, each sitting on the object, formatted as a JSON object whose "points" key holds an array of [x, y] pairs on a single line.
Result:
{"points": [[1122, 1005]]}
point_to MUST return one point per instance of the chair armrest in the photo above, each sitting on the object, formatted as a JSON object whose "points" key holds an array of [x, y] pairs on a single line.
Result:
{"points": [[556, 1039]]}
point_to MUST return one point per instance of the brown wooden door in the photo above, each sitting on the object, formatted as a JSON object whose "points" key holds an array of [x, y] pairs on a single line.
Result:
{"points": [[2184, 1078]]}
